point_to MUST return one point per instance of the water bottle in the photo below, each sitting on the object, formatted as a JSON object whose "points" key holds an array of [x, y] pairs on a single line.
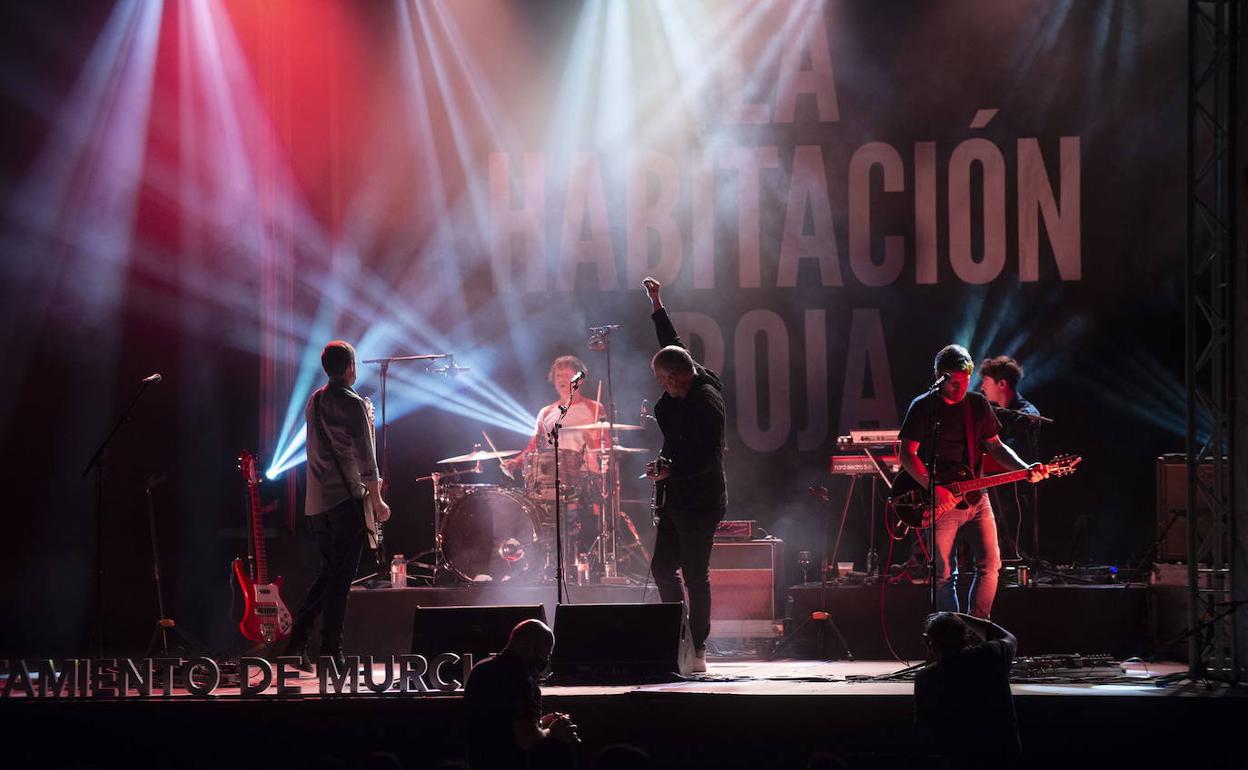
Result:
{"points": [[398, 571]]}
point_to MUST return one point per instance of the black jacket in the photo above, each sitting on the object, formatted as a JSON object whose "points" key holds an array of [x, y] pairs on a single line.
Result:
{"points": [[693, 437]]}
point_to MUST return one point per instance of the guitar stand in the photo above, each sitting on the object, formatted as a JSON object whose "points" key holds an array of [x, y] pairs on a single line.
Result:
{"points": [[165, 637]]}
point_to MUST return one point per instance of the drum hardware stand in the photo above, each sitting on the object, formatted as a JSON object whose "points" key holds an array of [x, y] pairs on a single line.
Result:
{"points": [[384, 460], [97, 462], [600, 340], [439, 558]]}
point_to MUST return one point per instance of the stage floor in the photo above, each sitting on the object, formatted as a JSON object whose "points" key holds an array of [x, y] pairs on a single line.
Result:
{"points": [[741, 714], [789, 678]]}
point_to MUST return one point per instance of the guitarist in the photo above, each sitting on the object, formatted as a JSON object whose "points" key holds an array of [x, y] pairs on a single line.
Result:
{"points": [[342, 469], [967, 427], [691, 415]]}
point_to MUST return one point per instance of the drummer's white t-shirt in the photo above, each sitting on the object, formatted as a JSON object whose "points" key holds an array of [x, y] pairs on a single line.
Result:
{"points": [[581, 413]]}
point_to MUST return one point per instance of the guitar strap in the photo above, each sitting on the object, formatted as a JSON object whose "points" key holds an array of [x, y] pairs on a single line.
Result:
{"points": [[971, 458]]}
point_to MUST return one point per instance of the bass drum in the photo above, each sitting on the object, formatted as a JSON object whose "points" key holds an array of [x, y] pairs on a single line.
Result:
{"points": [[491, 534]]}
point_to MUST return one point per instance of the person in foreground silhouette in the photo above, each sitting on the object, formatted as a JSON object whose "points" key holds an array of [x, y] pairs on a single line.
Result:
{"points": [[962, 698], [503, 707]]}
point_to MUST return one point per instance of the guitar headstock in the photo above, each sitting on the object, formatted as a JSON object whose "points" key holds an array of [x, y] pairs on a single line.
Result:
{"points": [[1063, 465], [247, 464], [820, 492]]}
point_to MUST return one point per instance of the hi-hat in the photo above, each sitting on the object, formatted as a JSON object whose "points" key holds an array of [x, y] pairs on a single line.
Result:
{"points": [[479, 455], [603, 426], [619, 450]]}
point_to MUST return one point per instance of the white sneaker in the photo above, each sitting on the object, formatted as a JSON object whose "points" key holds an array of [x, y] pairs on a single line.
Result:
{"points": [[699, 661]]}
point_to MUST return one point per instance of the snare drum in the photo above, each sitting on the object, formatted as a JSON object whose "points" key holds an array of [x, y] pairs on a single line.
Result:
{"points": [[539, 474], [492, 532]]}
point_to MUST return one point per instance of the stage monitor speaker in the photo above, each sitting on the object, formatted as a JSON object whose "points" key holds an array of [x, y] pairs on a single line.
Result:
{"points": [[1172, 506], [478, 631], [621, 642]]}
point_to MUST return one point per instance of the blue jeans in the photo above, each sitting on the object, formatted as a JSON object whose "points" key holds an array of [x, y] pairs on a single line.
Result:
{"points": [[977, 525]]}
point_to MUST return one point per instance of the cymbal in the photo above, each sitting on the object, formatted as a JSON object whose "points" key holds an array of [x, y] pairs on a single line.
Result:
{"points": [[619, 450], [600, 425], [479, 455]]}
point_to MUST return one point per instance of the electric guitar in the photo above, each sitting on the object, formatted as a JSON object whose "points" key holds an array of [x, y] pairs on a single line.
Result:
{"points": [[376, 536], [910, 503], [660, 488], [265, 617]]}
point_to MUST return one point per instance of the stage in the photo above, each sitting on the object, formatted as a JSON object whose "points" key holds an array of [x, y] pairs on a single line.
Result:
{"points": [[1118, 620], [740, 714]]}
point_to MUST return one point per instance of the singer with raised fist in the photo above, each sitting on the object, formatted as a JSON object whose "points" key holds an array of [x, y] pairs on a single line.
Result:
{"points": [[694, 491]]}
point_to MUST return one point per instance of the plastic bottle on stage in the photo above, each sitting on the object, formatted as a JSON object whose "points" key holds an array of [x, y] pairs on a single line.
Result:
{"points": [[398, 571]]}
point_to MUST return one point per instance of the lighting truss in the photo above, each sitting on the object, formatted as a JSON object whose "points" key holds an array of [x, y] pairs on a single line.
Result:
{"points": [[1213, 33]]}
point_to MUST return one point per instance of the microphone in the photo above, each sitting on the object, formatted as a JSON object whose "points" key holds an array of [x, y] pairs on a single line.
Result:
{"points": [[151, 378], [941, 380], [576, 379], [645, 407]]}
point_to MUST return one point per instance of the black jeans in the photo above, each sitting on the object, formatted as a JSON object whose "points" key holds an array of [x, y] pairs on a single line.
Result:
{"points": [[684, 541], [340, 537]]}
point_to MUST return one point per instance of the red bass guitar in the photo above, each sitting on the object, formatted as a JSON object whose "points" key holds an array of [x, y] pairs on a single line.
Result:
{"points": [[265, 617]]}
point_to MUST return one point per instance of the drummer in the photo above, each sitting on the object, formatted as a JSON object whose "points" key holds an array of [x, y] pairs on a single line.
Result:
{"points": [[583, 411]]}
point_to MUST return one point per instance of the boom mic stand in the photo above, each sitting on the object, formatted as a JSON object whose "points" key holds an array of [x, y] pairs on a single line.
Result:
{"points": [[554, 440], [1033, 439], [930, 460], [385, 433], [97, 462]]}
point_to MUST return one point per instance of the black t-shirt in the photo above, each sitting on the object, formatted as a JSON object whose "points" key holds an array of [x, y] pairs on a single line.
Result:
{"points": [[499, 691], [951, 445], [1020, 433], [964, 702]]}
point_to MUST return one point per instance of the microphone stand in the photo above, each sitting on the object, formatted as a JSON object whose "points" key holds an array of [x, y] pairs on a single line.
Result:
{"points": [[1033, 440], [554, 440], [384, 461], [930, 460], [97, 462]]}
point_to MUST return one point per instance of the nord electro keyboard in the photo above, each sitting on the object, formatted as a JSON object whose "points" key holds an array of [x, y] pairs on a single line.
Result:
{"points": [[861, 465]]}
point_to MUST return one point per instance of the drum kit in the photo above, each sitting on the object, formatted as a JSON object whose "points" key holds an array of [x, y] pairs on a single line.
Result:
{"points": [[506, 533]]}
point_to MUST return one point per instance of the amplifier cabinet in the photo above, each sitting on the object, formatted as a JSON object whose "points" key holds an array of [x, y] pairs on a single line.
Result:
{"points": [[745, 580], [1172, 510]]}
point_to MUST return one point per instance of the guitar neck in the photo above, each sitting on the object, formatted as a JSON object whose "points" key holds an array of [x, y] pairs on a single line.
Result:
{"points": [[257, 536], [996, 480]]}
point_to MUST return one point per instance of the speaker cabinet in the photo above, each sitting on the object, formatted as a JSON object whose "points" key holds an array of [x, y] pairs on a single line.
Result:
{"points": [[1172, 506], [479, 631], [621, 642], [744, 598]]}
